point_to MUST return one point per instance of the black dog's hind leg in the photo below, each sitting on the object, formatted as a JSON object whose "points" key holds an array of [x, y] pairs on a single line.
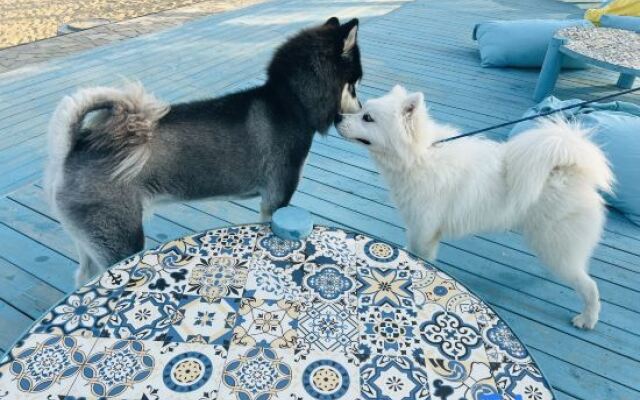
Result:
{"points": [[104, 235]]}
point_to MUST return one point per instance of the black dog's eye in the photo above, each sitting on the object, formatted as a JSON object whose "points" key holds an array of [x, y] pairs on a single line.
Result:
{"points": [[367, 117]]}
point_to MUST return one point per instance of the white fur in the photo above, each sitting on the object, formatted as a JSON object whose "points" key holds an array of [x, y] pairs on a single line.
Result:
{"points": [[349, 102], [543, 182]]}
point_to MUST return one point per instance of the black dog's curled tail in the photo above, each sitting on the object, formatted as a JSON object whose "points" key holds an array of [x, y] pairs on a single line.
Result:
{"points": [[123, 125]]}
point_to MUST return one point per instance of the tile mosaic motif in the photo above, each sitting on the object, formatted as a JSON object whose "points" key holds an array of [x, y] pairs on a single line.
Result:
{"points": [[200, 321], [256, 374], [43, 364], [326, 327], [217, 277], [273, 280], [379, 287], [388, 330], [266, 323], [394, 378], [240, 314], [142, 316], [326, 376], [82, 313]]}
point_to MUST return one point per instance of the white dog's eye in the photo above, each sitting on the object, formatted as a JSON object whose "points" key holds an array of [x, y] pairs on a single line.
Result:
{"points": [[367, 117]]}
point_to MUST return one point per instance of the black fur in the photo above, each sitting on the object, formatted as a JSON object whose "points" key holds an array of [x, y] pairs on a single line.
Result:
{"points": [[248, 143]]}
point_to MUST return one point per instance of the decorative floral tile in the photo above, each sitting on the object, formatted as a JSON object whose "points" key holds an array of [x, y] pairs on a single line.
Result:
{"points": [[326, 327], [449, 335], [256, 373], [186, 371], [217, 277], [523, 380], [388, 330], [331, 246], [451, 379], [432, 287], [325, 376], [266, 323], [393, 378], [116, 277], [274, 280], [115, 368], [43, 366], [142, 316], [500, 343], [135, 370], [269, 246], [377, 254], [329, 283], [379, 287], [200, 321], [83, 313], [236, 242], [165, 268]]}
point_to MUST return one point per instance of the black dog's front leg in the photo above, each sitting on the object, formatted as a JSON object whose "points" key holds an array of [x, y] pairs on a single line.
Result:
{"points": [[278, 193]]}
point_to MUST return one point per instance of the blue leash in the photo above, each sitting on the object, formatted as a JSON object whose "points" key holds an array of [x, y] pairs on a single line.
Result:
{"points": [[544, 114]]}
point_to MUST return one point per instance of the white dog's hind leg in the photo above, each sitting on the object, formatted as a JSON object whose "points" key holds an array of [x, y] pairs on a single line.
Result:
{"points": [[588, 290], [565, 248]]}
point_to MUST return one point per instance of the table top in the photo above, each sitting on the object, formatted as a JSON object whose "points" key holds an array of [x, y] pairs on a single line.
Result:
{"points": [[611, 46], [239, 313]]}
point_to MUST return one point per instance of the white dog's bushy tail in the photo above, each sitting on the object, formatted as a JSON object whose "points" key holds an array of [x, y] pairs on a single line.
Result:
{"points": [[123, 126], [555, 143]]}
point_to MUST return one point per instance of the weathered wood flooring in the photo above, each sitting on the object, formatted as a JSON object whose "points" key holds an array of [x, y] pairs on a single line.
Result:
{"points": [[424, 44]]}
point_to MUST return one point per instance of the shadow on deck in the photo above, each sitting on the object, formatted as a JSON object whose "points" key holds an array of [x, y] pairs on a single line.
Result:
{"points": [[424, 44]]}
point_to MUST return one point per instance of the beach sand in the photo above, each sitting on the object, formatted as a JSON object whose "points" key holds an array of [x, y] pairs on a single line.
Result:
{"points": [[24, 21]]}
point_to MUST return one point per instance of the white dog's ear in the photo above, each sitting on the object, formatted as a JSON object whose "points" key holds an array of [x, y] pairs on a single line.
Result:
{"points": [[398, 90], [411, 103]]}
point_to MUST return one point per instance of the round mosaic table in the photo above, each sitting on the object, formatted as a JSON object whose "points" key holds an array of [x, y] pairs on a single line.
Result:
{"points": [[239, 313], [614, 49]]}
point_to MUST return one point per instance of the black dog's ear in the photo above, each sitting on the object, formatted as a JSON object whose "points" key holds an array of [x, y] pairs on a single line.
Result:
{"points": [[333, 21], [349, 35]]}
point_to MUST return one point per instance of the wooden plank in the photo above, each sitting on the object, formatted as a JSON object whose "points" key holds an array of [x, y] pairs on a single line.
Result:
{"points": [[25, 292], [14, 323], [49, 265]]}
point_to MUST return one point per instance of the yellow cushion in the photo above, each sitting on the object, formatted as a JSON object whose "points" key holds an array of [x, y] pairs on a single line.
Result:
{"points": [[616, 7]]}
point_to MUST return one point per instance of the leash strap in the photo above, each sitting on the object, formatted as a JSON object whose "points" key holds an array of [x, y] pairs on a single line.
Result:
{"points": [[544, 114]]}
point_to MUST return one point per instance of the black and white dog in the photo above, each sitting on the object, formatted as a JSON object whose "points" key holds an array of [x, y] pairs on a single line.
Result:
{"points": [[113, 152]]}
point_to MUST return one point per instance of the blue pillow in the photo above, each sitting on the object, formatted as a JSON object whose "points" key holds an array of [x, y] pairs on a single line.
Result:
{"points": [[520, 43], [616, 127], [620, 22]]}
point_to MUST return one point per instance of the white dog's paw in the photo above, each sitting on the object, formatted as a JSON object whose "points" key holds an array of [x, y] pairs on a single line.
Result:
{"points": [[584, 321]]}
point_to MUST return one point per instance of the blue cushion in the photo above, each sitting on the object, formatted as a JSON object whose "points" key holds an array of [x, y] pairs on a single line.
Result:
{"points": [[616, 127], [520, 43], [620, 22]]}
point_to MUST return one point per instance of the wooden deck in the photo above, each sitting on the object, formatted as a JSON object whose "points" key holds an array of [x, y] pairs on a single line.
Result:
{"points": [[424, 44]]}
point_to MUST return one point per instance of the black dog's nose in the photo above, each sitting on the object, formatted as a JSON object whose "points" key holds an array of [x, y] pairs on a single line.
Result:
{"points": [[338, 118]]}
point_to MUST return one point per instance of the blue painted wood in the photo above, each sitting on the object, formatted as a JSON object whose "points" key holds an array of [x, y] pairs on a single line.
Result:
{"points": [[420, 45], [550, 70], [626, 81], [292, 223], [13, 324]]}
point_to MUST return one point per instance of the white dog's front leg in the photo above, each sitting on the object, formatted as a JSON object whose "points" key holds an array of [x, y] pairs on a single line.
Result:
{"points": [[424, 246]]}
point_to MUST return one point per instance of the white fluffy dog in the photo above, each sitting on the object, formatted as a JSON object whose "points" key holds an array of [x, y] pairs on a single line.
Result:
{"points": [[544, 182]]}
